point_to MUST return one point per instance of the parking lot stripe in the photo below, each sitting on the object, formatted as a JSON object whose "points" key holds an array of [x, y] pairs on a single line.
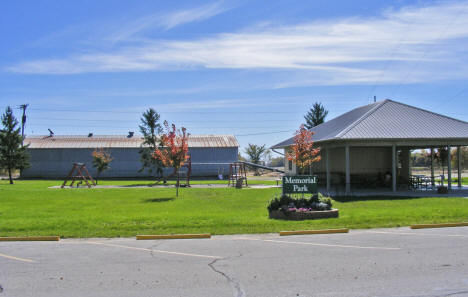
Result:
{"points": [[152, 250], [324, 244], [17, 258], [31, 238], [306, 232], [172, 236], [415, 233]]}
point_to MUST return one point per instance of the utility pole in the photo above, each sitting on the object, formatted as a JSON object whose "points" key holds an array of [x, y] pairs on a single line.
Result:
{"points": [[23, 121]]}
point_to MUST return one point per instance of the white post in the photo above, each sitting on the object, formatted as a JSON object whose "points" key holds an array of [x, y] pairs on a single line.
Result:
{"points": [[459, 166], [348, 171], [449, 168], [327, 165], [394, 164], [432, 168]]}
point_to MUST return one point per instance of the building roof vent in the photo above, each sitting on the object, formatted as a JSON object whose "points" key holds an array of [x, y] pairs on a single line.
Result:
{"points": [[130, 134], [90, 135], [51, 133]]}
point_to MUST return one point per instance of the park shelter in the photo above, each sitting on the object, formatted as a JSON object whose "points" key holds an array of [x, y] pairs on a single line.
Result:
{"points": [[370, 146], [53, 156]]}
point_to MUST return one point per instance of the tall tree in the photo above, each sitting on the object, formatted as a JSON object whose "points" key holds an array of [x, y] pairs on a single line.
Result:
{"points": [[174, 151], [101, 161], [255, 153], [441, 157], [302, 151], [12, 154], [315, 116], [151, 130]]}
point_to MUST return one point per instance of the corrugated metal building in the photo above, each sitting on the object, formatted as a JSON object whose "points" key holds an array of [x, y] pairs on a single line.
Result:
{"points": [[53, 156], [375, 140]]}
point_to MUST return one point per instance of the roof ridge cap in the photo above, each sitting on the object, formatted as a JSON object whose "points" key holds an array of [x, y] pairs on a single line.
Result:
{"points": [[364, 116]]}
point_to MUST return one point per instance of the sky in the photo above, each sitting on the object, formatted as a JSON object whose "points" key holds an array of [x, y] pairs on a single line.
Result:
{"points": [[248, 68]]}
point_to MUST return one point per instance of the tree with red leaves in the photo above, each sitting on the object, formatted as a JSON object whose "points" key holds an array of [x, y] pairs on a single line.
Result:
{"points": [[302, 152], [174, 152]]}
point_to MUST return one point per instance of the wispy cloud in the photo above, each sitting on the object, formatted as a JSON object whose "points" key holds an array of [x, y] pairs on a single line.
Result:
{"points": [[178, 18], [338, 51], [170, 20]]}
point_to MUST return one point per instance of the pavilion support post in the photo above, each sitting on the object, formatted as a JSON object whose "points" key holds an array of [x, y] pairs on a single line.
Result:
{"points": [[348, 171], [449, 168], [432, 168], [327, 165], [459, 167], [394, 171], [405, 164]]}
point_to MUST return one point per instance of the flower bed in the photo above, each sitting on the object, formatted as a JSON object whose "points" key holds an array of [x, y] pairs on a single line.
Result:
{"points": [[303, 215], [288, 208]]}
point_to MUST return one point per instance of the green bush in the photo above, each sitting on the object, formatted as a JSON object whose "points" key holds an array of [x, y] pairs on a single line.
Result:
{"points": [[314, 202]]}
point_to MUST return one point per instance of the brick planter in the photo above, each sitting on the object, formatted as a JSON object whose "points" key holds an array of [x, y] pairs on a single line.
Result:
{"points": [[298, 216]]}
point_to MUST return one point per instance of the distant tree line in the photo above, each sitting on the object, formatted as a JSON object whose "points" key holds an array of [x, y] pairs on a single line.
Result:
{"points": [[422, 158]]}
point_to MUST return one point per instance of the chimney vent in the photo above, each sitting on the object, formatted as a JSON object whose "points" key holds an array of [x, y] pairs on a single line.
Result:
{"points": [[90, 135], [130, 134], [51, 133]]}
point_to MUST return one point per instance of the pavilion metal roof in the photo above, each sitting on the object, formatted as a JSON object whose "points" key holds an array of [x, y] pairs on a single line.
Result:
{"points": [[387, 120], [121, 141]]}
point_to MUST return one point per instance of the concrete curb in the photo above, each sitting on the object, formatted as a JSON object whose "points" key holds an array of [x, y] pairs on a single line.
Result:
{"points": [[31, 238], [175, 236], [303, 232], [423, 226]]}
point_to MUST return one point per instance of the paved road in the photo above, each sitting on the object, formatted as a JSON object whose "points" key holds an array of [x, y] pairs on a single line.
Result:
{"points": [[378, 262]]}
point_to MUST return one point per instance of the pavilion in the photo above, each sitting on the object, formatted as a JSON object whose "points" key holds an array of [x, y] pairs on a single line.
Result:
{"points": [[370, 146]]}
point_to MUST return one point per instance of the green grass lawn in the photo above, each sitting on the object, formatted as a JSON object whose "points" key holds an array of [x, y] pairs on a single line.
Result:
{"points": [[464, 180], [30, 208]]}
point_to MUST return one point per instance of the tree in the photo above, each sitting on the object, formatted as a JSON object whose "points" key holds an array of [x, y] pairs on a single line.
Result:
{"points": [[174, 152], [240, 157], [315, 116], [101, 161], [255, 153], [441, 156], [277, 162], [302, 152], [12, 154], [151, 129]]}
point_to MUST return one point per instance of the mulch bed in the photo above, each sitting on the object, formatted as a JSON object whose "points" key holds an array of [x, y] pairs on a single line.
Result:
{"points": [[307, 215]]}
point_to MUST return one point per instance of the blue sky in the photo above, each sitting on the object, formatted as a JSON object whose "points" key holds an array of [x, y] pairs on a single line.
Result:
{"points": [[249, 68]]}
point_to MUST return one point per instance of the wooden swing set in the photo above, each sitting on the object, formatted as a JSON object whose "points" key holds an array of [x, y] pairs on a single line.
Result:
{"points": [[80, 168]]}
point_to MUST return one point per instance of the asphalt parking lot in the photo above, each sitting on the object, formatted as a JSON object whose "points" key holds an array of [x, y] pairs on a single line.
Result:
{"points": [[376, 262]]}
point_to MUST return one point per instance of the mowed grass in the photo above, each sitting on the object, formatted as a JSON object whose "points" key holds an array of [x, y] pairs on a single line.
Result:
{"points": [[464, 181], [31, 208]]}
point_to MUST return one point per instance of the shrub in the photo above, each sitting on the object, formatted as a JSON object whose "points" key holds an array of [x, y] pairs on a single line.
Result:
{"points": [[285, 203]]}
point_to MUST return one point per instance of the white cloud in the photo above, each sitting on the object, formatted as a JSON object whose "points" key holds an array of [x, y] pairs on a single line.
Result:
{"points": [[339, 51], [178, 18], [167, 21]]}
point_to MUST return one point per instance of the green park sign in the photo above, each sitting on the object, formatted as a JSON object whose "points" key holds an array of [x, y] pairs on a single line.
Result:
{"points": [[300, 184]]}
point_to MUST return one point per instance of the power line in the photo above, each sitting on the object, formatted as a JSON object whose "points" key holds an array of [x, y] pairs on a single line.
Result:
{"points": [[133, 121], [418, 62], [446, 101], [133, 126], [389, 61], [190, 111], [264, 133]]}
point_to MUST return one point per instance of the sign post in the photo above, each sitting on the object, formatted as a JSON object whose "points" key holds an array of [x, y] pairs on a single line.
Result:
{"points": [[300, 184]]}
